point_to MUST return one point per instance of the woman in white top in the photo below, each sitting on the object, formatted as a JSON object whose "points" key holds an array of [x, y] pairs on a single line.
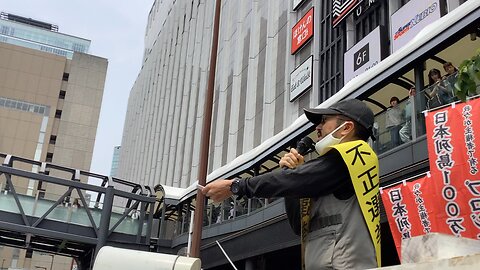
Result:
{"points": [[393, 121]]}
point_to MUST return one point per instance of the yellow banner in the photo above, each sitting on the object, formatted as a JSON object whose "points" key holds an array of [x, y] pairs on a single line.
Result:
{"points": [[362, 165]]}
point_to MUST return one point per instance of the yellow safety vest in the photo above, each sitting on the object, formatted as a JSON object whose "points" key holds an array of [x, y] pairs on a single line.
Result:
{"points": [[362, 164]]}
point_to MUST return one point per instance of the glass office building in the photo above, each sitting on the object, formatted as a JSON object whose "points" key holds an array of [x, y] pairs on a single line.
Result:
{"points": [[50, 97], [40, 36], [116, 156]]}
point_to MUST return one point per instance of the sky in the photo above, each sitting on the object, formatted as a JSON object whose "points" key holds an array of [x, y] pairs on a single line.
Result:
{"points": [[116, 29]]}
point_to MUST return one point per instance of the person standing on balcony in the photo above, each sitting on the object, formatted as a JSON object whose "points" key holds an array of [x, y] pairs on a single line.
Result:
{"points": [[436, 92], [342, 214], [393, 121], [406, 131], [450, 78], [450, 69]]}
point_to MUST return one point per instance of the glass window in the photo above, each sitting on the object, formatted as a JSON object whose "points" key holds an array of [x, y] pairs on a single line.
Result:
{"points": [[43, 127], [23, 106], [393, 113], [4, 30], [42, 39], [41, 137], [49, 157]]}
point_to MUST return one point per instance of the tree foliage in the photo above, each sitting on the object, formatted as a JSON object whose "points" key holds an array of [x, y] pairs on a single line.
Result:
{"points": [[468, 77]]}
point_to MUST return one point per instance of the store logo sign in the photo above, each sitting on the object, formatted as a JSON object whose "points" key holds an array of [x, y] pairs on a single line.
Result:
{"points": [[410, 19], [341, 8], [361, 57], [415, 21], [364, 55], [301, 78], [302, 32]]}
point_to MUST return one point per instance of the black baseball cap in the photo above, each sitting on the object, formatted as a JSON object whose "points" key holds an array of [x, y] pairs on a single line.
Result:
{"points": [[352, 108]]}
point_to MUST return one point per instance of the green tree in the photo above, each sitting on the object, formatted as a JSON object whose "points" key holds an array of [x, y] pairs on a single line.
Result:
{"points": [[468, 77]]}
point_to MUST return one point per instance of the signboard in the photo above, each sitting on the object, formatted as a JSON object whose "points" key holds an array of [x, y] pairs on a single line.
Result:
{"points": [[410, 19], [302, 32], [301, 78], [410, 209], [447, 201], [363, 55], [364, 6], [341, 9], [452, 136], [297, 3]]}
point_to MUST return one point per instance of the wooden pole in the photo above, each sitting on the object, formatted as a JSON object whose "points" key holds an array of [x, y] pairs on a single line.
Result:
{"points": [[207, 123]]}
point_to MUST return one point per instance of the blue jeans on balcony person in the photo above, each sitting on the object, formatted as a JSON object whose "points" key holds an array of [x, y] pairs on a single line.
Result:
{"points": [[395, 135], [406, 132], [393, 121]]}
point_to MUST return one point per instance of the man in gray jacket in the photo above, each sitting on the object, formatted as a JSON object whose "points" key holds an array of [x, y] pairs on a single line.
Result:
{"points": [[339, 234]]}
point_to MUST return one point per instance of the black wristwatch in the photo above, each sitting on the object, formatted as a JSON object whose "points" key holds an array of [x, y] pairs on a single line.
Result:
{"points": [[235, 187]]}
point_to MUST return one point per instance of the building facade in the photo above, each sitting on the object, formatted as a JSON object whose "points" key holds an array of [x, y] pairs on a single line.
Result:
{"points": [[255, 93], [161, 140], [51, 91], [274, 59]]}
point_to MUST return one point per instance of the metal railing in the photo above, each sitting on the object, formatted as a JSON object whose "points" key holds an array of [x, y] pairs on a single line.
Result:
{"points": [[43, 194], [412, 124]]}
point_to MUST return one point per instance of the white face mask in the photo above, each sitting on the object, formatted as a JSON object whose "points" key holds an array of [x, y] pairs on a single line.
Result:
{"points": [[326, 143]]}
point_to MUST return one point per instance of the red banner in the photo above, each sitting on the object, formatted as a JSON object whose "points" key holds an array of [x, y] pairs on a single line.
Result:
{"points": [[447, 201], [410, 209], [302, 31], [454, 167]]}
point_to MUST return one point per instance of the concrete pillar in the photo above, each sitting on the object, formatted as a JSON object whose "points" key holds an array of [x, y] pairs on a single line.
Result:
{"points": [[350, 29]]}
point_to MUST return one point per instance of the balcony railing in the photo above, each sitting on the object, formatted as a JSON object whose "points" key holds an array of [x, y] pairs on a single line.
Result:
{"points": [[412, 124], [389, 137]]}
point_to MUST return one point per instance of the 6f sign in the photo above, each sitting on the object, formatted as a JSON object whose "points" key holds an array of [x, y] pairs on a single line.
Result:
{"points": [[361, 57]]}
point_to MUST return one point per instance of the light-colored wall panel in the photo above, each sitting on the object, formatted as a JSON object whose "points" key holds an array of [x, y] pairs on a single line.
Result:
{"points": [[251, 87]]}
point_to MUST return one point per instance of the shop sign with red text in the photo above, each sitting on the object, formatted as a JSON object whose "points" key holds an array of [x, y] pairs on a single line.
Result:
{"points": [[302, 32]]}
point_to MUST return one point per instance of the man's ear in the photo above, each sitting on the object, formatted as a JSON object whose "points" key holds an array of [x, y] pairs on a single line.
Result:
{"points": [[348, 128]]}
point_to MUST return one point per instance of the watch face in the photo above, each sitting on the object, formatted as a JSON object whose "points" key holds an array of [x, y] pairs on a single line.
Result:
{"points": [[234, 188]]}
